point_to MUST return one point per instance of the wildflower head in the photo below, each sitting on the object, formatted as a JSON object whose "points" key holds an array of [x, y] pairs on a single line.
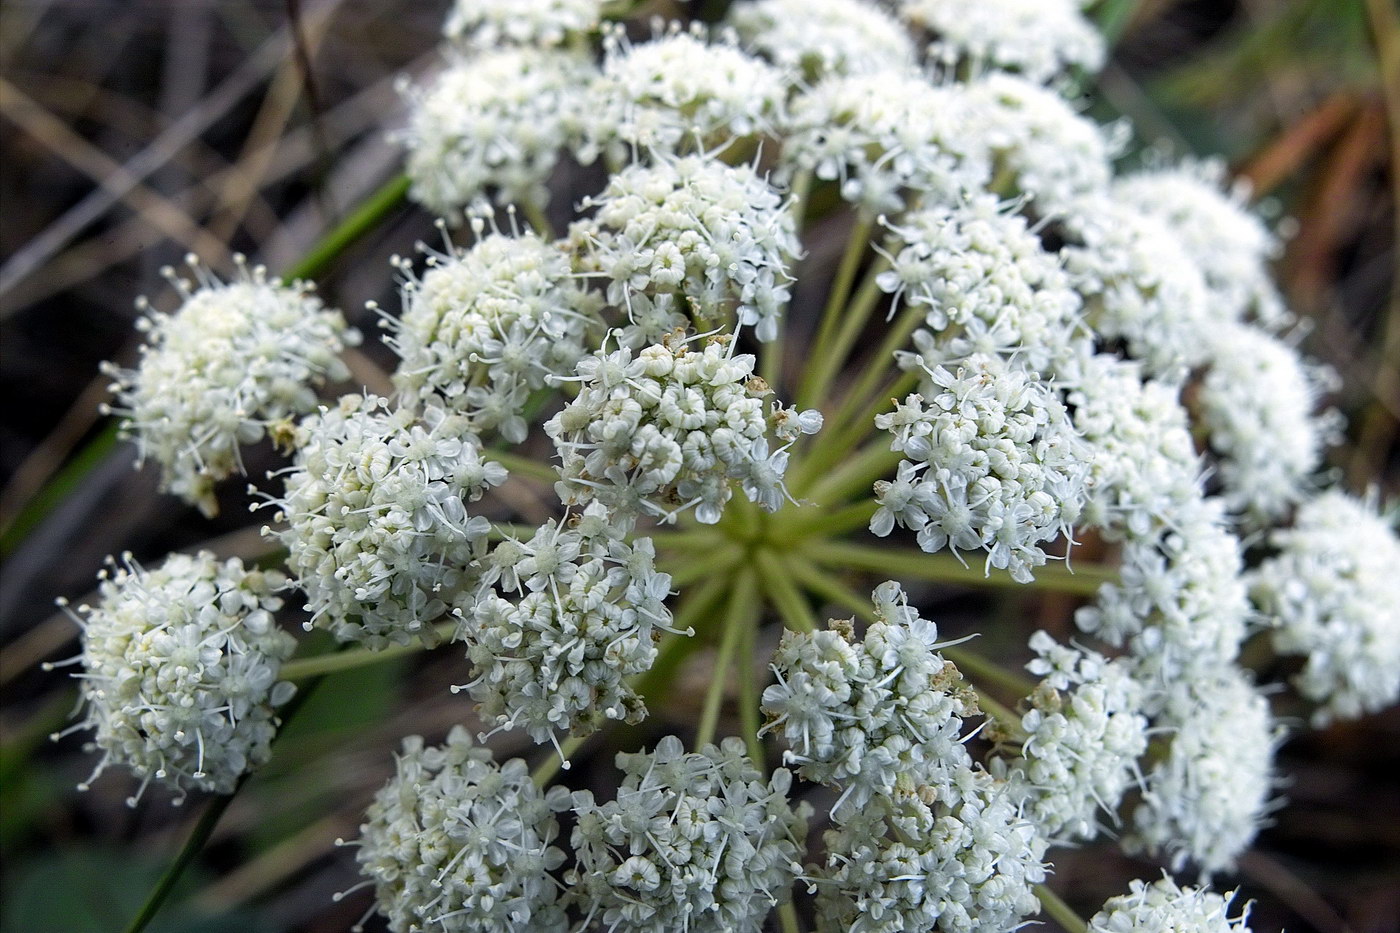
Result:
{"points": [[234, 360], [1165, 907], [485, 327], [180, 668], [455, 842], [378, 528], [488, 24], [575, 612], [1039, 39], [695, 841], [818, 38], [670, 428]]}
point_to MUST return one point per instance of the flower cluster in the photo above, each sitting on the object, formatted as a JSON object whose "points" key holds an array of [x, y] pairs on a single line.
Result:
{"points": [[496, 122], [991, 461], [871, 715], [483, 328], [377, 529], [181, 667], [1332, 595], [984, 283], [1040, 39], [577, 614], [235, 361], [456, 843], [820, 38], [718, 235], [485, 24], [958, 857], [681, 93], [695, 841], [666, 429], [1082, 737], [1166, 907]]}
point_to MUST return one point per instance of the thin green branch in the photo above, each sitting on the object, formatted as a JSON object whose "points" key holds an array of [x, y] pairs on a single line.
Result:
{"points": [[850, 428], [784, 595], [736, 617], [365, 218], [984, 671], [857, 474], [826, 585], [1059, 911], [819, 359], [523, 466], [194, 844], [822, 523], [946, 568], [334, 662], [544, 772], [748, 696], [692, 568]]}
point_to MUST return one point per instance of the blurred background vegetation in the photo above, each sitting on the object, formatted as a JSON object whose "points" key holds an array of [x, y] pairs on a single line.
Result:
{"points": [[136, 131]]}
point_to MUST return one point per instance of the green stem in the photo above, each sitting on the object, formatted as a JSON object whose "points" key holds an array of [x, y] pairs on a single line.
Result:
{"points": [[1009, 722], [748, 696], [945, 568], [194, 844], [988, 672], [1059, 911], [819, 359], [784, 595], [850, 427], [379, 205], [787, 918], [736, 616], [852, 323], [538, 219], [676, 648], [824, 523], [544, 772], [857, 474], [336, 661], [824, 584], [524, 466]]}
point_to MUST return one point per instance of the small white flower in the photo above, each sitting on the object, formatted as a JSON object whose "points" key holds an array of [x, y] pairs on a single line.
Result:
{"points": [[1258, 401], [954, 857], [717, 236], [681, 93], [495, 123], [1230, 246], [234, 361], [887, 137], [1332, 593], [487, 24], [1207, 797], [483, 328], [180, 669], [1041, 39], [991, 461], [576, 612], [670, 428], [871, 715], [1165, 907], [1084, 733], [457, 844], [378, 531], [695, 841], [817, 38]]}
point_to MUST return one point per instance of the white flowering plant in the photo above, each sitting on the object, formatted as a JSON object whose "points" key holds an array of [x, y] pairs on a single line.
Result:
{"points": [[640, 434]]}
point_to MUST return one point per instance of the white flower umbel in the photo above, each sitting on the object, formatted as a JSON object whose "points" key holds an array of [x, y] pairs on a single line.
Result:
{"points": [[487, 24], [718, 237], [1230, 246], [1041, 146], [235, 361], [1145, 471], [672, 427], [1332, 595], [884, 135], [872, 715], [457, 844], [698, 842], [1165, 907], [682, 93], [1041, 39], [1181, 603], [485, 327], [378, 531], [493, 124], [957, 857], [991, 462], [1209, 793], [818, 38], [1258, 401], [1084, 733], [984, 283], [180, 670], [576, 612], [1140, 285]]}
